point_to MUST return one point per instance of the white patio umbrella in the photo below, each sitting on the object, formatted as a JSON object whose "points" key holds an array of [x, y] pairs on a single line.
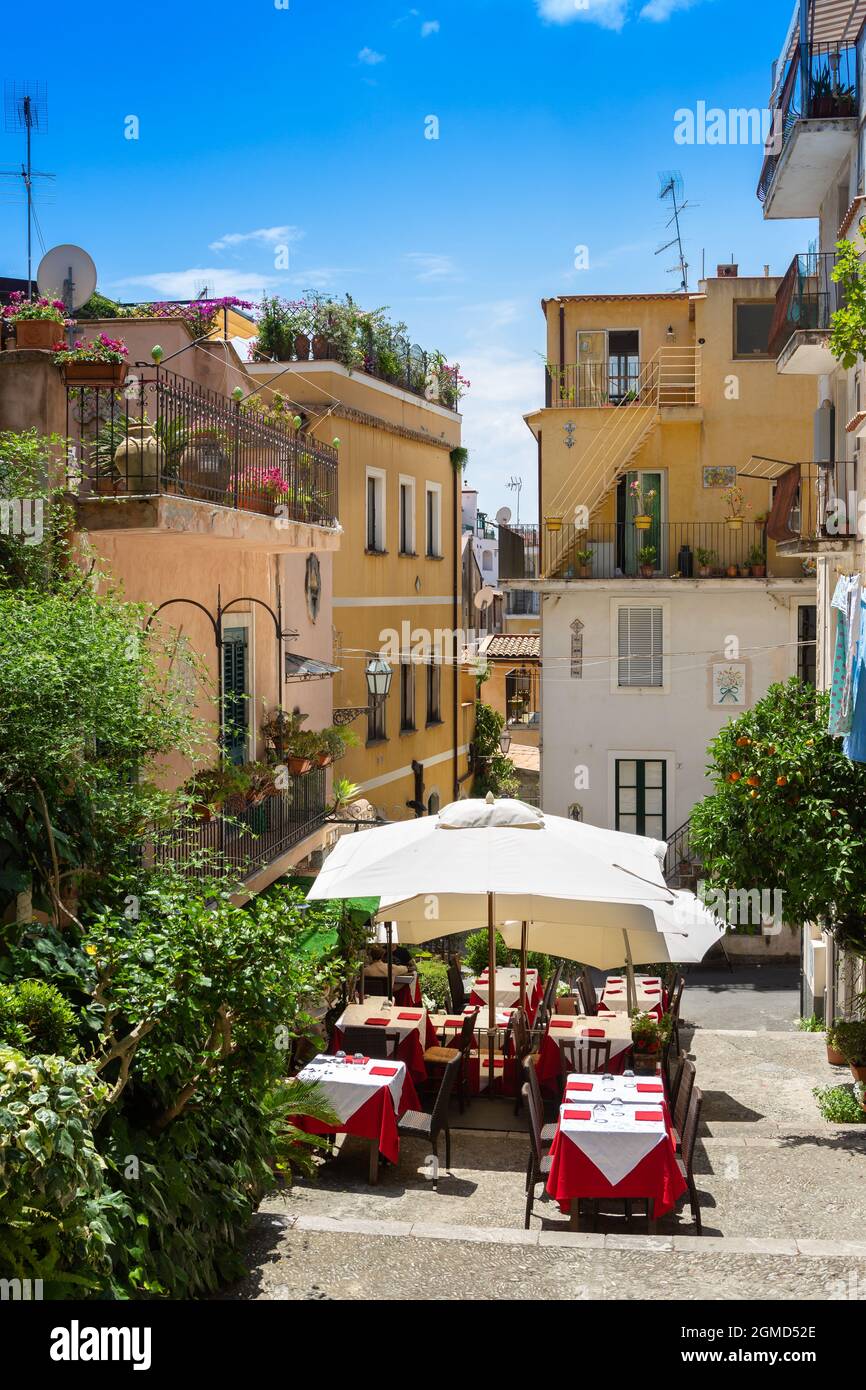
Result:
{"points": [[436, 875]]}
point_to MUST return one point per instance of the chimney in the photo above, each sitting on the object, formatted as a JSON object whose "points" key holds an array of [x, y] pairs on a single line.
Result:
{"points": [[727, 272]]}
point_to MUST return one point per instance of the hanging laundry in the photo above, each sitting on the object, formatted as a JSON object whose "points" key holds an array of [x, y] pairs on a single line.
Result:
{"points": [[854, 745], [846, 601]]}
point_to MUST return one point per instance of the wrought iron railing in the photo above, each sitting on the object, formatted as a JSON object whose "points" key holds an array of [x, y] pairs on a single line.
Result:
{"points": [[599, 384], [163, 433], [808, 297], [826, 506], [682, 862], [399, 362], [618, 550], [243, 843], [825, 87]]}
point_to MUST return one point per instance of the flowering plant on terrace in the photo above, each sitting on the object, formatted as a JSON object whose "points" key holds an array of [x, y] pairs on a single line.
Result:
{"points": [[101, 349], [45, 307]]}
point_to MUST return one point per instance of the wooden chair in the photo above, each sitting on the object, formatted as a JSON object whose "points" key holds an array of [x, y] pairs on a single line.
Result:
{"points": [[520, 1048], [370, 1042], [460, 1046], [587, 993], [583, 1055], [539, 1163], [674, 1010], [529, 1066], [685, 1161], [565, 1004], [681, 1105], [457, 988], [417, 1124], [673, 1081]]}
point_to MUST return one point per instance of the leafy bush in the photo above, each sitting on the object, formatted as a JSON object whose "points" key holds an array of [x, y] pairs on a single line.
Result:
{"points": [[57, 1213], [476, 953], [434, 981], [812, 1024], [848, 1036], [840, 1104], [35, 1016]]}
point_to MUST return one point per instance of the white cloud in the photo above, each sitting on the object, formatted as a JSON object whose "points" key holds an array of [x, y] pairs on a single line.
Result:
{"points": [[430, 266], [370, 57], [660, 10], [186, 284], [430, 26], [610, 14], [264, 236]]}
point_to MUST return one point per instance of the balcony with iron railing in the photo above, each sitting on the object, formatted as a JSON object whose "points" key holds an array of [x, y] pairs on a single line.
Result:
{"points": [[823, 511], [670, 378], [620, 551], [806, 301], [165, 435], [250, 839], [813, 113]]}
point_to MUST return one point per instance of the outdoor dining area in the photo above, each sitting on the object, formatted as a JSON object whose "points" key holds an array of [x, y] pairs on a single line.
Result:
{"points": [[587, 1060]]}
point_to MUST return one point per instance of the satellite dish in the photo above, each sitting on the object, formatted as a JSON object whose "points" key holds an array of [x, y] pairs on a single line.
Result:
{"points": [[503, 516], [484, 598], [69, 272]]}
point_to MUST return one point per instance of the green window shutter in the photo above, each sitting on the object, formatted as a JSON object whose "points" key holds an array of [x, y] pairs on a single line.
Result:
{"points": [[235, 692]]}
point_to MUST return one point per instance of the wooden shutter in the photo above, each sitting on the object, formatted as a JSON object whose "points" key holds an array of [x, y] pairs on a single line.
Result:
{"points": [[235, 702], [640, 647]]}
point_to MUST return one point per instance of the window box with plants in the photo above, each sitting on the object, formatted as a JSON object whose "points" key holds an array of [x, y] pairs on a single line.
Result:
{"points": [[101, 362], [648, 1035], [38, 323]]}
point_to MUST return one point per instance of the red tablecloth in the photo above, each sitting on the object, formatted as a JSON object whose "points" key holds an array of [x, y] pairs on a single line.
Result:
{"points": [[409, 1050], [548, 1067], [407, 996], [375, 1119], [572, 1175]]}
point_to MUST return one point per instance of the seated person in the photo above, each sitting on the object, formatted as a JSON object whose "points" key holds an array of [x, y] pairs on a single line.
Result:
{"points": [[377, 965], [404, 958]]}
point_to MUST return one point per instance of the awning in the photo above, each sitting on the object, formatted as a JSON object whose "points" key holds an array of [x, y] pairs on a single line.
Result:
{"points": [[307, 668], [831, 23], [765, 468]]}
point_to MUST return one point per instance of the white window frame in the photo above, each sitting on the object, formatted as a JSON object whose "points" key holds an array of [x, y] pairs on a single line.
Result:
{"points": [[433, 490], [410, 547], [640, 690], [382, 519]]}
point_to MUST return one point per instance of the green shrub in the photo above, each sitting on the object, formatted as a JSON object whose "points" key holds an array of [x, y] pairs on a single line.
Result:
{"points": [[434, 982], [35, 1017], [812, 1024], [57, 1213], [840, 1104], [476, 952]]}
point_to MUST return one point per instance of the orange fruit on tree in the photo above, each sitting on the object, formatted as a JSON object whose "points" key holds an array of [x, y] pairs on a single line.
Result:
{"points": [[744, 742], [753, 781], [735, 777], [781, 781]]}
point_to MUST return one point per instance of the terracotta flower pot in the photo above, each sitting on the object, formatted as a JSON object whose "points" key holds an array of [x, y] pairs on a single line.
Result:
{"points": [[298, 767], [704, 572], [731, 571], [94, 373], [202, 812], [835, 1058], [38, 333], [645, 1063], [858, 1073], [324, 759], [647, 571]]}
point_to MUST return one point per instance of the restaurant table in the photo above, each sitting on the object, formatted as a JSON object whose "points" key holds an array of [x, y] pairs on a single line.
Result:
{"points": [[367, 1097], [504, 1072], [407, 989], [591, 1089], [415, 1029], [651, 996], [506, 989], [570, 1028], [627, 1157]]}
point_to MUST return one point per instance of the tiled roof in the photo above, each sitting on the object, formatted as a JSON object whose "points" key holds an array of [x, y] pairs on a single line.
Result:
{"points": [[513, 645]]}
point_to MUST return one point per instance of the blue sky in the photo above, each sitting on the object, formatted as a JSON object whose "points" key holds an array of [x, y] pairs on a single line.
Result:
{"points": [[554, 122]]}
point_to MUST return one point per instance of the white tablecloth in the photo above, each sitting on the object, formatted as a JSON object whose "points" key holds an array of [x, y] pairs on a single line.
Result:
{"points": [[346, 1086], [356, 1015], [618, 1146], [615, 993], [618, 1088], [616, 1028], [506, 987]]}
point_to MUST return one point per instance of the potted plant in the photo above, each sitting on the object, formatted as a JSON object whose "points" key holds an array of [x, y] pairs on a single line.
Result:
{"points": [[39, 323], [224, 785], [737, 508], [757, 562], [335, 743], [583, 561], [834, 1055], [642, 500], [344, 793], [744, 570], [553, 523], [260, 782], [705, 560], [101, 362], [647, 1036], [731, 571], [646, 558], [850, 1039]]}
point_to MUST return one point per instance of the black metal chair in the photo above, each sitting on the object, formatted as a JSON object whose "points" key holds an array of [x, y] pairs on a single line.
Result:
{"points": [[457, 988], [685, 1161], [676, 999], [443, 1052], [376, 985], [370, 1041], [529, 1066], [587, 993], [417, 1124]]}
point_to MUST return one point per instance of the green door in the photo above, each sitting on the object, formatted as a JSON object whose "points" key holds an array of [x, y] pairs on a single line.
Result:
{"points": [[235, 693], [636, 540], [641, 797]]}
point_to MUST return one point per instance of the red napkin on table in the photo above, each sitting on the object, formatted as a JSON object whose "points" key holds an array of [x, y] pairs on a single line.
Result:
{"points": [[377, 1022], [651, 990], [413, 1017], [592, 1033], [562, 1023], [383, 1071], [614, 979], [579, 1086], [454, 1023], [651, 1115], [648, 1086], [618, 990], [577, 1114]]}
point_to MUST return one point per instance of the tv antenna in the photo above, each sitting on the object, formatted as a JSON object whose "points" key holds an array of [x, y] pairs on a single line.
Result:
{"points": [[26, 108], [515, 484], [672, 188]]}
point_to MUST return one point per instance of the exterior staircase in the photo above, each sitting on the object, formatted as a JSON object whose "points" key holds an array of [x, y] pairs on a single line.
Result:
{"points": [[682, 867], [671, 378]]}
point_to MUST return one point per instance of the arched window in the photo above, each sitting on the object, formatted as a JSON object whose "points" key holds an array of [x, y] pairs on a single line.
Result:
{"points": [[433, 804], [487, 560]]}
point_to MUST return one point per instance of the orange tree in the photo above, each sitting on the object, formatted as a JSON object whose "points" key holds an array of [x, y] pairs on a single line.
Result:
{"points": [[788, 813]]}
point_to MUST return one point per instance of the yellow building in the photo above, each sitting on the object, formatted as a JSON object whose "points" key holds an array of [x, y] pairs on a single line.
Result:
{"points": [[665, 607], [397, 580]]}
